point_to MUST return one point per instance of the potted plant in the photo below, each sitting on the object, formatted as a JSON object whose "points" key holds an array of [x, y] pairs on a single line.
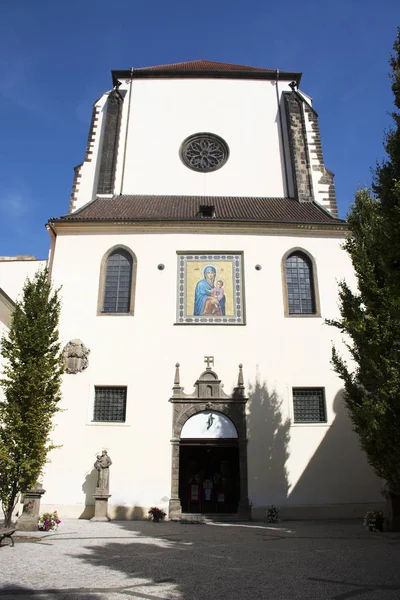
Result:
{"points": [[374, 520], [273, 514], [48, 521], [156, 514]]}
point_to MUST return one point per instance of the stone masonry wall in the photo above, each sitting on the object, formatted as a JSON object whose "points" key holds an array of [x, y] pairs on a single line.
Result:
{"points": [[323, 179], [313, 181], [109, 150], [88, 156], [298, 147]]}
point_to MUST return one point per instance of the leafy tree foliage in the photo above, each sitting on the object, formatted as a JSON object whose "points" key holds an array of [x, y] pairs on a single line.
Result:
{"points": [[31, 384], [371, 316]]}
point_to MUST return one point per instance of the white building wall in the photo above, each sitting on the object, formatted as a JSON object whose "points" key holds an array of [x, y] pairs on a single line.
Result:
{"points": [[159, 114], [165, 112], [140, 352], [86, 184], [13, 273]]}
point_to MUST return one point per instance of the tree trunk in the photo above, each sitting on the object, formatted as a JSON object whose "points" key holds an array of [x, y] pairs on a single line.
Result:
{"points": [[9, 510], [7, 516], [393, 512]]}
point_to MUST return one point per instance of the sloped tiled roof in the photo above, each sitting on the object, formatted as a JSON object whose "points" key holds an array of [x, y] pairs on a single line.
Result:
{"points": [[203, 65], [187, 208], [204, 69]]}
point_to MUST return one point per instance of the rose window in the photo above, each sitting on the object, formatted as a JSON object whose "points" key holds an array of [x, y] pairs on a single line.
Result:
{"points": [[204, 152]]}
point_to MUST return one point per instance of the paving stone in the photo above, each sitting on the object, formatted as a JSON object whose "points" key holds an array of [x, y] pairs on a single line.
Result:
{"points": [[177, 561]]}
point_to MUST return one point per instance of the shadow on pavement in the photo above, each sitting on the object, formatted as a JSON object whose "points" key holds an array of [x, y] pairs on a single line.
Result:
{"points": [[17, 591], [187, 562]]}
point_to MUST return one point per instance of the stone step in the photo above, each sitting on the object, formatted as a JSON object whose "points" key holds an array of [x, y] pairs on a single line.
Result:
{"points": [[208, 518]]}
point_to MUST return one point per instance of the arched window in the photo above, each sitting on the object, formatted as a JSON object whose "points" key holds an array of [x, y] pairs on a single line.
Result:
{"points": [[117, 282], [300, 288]]}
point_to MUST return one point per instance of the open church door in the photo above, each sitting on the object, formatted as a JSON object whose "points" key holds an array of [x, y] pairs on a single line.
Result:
{"points": [[209, 477]]}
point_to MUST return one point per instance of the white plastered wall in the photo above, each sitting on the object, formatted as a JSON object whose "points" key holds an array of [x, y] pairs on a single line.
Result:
{"points": [[324, 465], [165, 112], [88, 170], [158, 115], [13, 274], [320, 190]]}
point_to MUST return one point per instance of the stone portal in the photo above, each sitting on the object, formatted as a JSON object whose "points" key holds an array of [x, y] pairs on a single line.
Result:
{"points": [[209, 448]]}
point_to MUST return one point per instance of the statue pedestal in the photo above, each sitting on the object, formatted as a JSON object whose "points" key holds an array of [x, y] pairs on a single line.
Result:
{"points": [[244, 511], [100, 507], [174, 509], [28, 521]]}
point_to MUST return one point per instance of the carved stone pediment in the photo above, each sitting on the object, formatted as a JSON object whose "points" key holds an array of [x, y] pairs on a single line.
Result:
{"points": [[75, 357], [208, 386], [208, 395]]}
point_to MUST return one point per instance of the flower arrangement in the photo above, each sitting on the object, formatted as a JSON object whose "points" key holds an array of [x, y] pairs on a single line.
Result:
{"points": [[374, 520], [273, 514], [48, 521], [156, 513]]}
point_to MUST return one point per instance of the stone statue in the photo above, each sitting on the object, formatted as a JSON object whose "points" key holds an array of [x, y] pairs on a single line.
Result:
{"points": [[102, 464], [75, 357]]}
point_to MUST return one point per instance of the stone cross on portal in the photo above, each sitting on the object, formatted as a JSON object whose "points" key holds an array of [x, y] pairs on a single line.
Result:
{"points": [[210, 361]]}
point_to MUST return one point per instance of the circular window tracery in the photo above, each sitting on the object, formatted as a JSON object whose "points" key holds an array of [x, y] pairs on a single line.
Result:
{"points": [[204, 152]]}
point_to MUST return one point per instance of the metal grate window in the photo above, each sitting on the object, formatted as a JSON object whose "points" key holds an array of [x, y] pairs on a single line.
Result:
{"points": [[300, 285], [109, 404], [117, 290], [309, 405]]}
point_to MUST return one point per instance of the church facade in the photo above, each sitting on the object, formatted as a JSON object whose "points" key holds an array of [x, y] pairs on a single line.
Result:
{"points": [[198, 261]]}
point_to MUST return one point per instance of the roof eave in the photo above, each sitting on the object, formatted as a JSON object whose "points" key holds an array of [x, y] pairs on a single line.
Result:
{"points": [[336, 225], [206, 74]]}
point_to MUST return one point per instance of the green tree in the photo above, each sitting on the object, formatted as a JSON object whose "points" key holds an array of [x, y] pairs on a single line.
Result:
{"points": [[370, 316], [31, 384]]}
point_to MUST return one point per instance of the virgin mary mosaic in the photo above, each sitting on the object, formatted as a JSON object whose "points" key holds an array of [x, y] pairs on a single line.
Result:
{"points": [[210, 289]]}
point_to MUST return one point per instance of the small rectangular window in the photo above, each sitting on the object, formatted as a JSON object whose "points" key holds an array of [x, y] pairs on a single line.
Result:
{"points": [[309, 405], [109, 404], [207, 210]]}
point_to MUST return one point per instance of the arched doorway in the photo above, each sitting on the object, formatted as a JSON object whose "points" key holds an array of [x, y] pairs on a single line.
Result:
{"points": [[209, 473], [209, 448]]}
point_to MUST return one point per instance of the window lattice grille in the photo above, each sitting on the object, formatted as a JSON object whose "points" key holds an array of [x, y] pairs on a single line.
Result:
{"points": [[109, 404], [117, 291], [309, 405], [300, 286]]}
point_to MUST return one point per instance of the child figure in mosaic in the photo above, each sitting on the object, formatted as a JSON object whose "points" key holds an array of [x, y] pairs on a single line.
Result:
{"points": [[219, 294], [219, 289]]}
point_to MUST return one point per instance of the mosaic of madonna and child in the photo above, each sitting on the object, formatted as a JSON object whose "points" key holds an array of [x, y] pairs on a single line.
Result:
{"points": [[210, 288]]}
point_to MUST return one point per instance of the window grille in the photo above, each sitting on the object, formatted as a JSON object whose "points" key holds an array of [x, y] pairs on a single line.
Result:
{"points": [[109, 404], [309, 405], [300, 285], [117, 289]]}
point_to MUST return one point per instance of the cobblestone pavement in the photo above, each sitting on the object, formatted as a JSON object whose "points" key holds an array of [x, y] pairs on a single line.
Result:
{"points": [[150, 561]]}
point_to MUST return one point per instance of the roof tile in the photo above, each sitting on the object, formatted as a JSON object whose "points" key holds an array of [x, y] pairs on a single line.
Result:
{"points": [[203, 65], [187, 208]]}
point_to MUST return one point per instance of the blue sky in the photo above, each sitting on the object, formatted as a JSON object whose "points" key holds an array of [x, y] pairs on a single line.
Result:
{"points": [[56, 58]]}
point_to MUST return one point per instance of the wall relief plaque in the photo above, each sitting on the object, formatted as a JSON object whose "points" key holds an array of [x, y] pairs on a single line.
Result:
{"points": [[75, 357]]}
